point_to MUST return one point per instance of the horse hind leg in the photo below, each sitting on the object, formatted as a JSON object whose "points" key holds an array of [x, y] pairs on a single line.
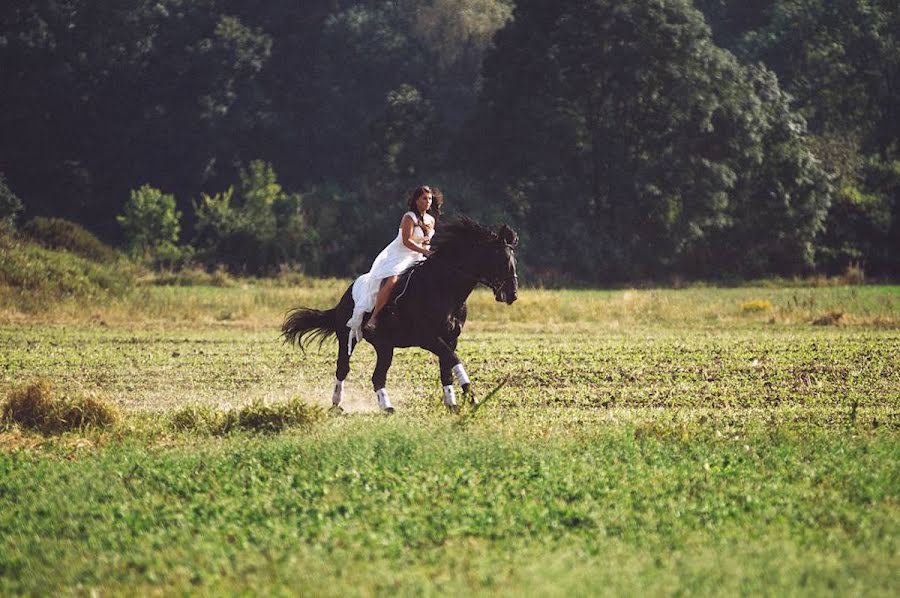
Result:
{"points": [[379, 377]]}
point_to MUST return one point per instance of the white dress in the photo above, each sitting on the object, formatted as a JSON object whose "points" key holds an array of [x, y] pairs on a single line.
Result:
{"points": [[393, 259]]}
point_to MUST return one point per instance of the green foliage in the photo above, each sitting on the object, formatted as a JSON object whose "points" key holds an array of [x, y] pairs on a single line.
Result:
{"points": [[151, 225], [41, 407], [273, 417], [621, 139], [256, 228], [201, 419], [10, 204], [195, 276], [405, 128], [864, 220], [56, 233], [840, 60]]}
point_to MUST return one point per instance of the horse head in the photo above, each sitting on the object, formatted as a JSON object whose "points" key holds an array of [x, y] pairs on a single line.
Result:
{"points": [[502, 276], [482, 253]]}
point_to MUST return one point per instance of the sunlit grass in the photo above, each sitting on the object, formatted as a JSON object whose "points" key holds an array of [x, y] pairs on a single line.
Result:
{"points": [[258, 304]]}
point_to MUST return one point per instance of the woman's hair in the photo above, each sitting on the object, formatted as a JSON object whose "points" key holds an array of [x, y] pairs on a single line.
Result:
{"points": [[436, 203]]}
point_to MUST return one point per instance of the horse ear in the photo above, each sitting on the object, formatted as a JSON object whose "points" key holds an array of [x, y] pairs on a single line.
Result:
{"points": [[508, 235]]}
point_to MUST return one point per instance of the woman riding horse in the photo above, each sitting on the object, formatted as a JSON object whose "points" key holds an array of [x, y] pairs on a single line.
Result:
{"points": [[411, 245], [429, 306]]}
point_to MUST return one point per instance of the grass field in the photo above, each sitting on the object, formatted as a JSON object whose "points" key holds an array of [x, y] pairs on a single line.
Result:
{"points": [[703, 440]]}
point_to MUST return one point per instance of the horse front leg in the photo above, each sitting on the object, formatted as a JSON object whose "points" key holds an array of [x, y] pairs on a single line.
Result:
{"points": [[446, 365], [385, 354], [343, 366], [451, 366]]}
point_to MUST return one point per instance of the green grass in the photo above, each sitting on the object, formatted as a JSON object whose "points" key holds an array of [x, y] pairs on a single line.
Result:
{"points": [[369, 505], [647, 442]]}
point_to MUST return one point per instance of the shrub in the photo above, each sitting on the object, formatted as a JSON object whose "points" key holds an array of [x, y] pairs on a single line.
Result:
{"points": [[39, 407], [56, 233], [255, 417], [203, 419], [275, 417], [151, 225], [10, 204], [832, 318]]}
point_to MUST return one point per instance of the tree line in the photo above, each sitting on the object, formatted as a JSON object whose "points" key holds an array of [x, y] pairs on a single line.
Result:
{"points": [[630, 139]]}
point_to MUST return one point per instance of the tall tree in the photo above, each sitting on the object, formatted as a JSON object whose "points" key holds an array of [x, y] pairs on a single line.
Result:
{"points": [[840, 59], [640, 147], [101, 97]]}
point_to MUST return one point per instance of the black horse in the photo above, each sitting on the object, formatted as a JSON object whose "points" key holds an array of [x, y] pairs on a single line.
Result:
{"points": [[427, 308]]}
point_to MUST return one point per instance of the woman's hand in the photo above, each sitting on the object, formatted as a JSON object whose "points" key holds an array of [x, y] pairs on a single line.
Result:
{"points": [[406, 226]]}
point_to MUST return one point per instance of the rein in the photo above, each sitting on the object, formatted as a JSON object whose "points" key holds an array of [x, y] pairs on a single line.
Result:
{"points": [[494, 284]]}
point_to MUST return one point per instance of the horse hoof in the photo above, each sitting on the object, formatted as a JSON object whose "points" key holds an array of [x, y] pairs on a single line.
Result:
{"points": [[336, 411], [454, 409], [388, 411]]}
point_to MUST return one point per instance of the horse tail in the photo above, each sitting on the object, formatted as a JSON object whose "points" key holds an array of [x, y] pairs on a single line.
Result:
{"points": [[313, 322]]}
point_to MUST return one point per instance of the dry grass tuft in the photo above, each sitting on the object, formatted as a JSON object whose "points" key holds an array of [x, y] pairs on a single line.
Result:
{"points": [[832, 318], [15, 441], [854, 275], [39, 407]]}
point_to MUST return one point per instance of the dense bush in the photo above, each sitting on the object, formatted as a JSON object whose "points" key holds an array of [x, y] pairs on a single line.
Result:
{"points": [[56, 233], [256, 227], [36, 276]]}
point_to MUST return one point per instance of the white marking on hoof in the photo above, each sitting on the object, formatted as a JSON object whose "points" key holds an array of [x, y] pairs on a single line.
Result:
{"points": [[384, 401], [449, 396], [460, 372]]}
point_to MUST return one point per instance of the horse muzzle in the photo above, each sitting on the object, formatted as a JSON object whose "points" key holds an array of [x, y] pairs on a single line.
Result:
{"points": [[506, 294]]}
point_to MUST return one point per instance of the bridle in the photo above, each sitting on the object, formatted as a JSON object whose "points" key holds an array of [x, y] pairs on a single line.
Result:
{"points": [[495, 283]]}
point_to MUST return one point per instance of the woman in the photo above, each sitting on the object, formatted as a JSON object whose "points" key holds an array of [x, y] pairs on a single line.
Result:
{"points": [[372, 290]]}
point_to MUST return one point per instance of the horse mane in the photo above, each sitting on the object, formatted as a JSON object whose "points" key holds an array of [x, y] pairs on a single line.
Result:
{"points": [[463, 231], [458, 240]]}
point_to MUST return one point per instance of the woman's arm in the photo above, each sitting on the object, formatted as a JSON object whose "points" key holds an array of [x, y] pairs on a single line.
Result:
{"points": [[406, 228]]}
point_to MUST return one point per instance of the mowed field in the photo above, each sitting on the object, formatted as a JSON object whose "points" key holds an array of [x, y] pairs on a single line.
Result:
{"points": [[702, 440]]}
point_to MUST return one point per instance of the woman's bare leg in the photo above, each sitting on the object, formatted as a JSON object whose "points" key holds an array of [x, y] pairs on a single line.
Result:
{"points": [[384, 293]]}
